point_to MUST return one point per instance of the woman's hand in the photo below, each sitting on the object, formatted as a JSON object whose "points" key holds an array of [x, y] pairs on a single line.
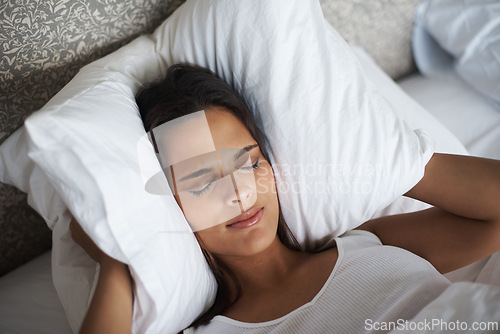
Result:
{"points": [[111, 308]]}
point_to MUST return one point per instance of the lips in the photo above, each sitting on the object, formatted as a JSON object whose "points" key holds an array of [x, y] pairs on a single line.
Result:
{"points": [[246, 219]]}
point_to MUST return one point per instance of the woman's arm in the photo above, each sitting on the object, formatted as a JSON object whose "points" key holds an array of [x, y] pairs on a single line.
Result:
{"points": [[464, 225], [111, 308]]}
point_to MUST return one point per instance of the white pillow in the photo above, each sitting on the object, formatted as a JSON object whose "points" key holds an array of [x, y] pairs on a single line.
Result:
{"points": [[304, 85], [416, 116]]}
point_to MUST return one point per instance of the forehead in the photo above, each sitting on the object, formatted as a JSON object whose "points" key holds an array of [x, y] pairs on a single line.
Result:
{"points": [[200, 133], [226, 129]]}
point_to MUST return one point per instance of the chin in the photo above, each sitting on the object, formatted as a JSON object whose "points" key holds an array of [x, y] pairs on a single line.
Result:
{"points": [[258, 241], [242, 242]]}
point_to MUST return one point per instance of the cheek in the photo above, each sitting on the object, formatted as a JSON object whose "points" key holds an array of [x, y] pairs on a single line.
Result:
{"points": [[215, 206], [196, 212], [266, 185], [206, 211], [266, 189]]}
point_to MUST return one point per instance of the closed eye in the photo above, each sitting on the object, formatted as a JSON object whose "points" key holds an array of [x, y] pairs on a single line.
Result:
{"points": [[252, 167], [204, 188]]}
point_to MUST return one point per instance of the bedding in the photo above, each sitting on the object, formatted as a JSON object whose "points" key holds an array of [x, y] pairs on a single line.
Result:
{"points": [[415, 115], [29, 302], [122, 84], [55, 46], [63, 138], [20, 299], [476, 309], [468, 115], [468, 44]]}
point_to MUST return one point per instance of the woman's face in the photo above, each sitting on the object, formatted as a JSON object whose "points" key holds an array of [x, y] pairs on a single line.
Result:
{"points": [[223, 184]]}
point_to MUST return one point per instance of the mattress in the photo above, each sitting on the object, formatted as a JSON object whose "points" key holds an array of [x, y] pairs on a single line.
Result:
{"points": [[29, 302]]}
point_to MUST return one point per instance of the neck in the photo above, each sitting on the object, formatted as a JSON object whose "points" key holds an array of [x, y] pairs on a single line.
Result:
{"points": [[266, 269]]}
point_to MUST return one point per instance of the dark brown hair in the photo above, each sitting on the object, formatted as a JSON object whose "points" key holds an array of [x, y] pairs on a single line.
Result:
{"points": [[184, 90]]}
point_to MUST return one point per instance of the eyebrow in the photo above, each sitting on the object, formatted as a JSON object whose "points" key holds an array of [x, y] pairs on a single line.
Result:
{"points": [[244, 150], [204, 171], [199, 172]]}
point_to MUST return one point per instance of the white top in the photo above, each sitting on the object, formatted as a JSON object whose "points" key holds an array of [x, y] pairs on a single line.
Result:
{"points": [[370, 282]]}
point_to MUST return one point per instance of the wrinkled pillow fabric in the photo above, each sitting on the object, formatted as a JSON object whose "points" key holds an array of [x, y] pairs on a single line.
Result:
{"points": [[416, 116], [351, 155]]}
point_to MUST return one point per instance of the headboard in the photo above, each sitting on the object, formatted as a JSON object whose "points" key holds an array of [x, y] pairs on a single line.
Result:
{"points": [[43, 44]]}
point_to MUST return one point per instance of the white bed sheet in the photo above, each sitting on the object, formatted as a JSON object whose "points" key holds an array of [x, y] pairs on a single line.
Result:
{"points": [[29, 302], [469, 116]]}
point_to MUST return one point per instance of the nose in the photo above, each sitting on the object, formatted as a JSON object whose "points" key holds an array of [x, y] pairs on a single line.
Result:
{"points": [[244, 195]]}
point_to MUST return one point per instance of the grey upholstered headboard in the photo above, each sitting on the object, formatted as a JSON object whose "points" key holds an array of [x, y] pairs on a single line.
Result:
{"points": [[43, 44]]}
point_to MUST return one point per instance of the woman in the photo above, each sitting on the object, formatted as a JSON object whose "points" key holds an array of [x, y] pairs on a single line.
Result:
{"points": [[265, 283]]}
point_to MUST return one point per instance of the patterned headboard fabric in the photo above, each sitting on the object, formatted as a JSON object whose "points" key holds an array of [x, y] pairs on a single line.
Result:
{"points": [[382, 27], [44, 43]]}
